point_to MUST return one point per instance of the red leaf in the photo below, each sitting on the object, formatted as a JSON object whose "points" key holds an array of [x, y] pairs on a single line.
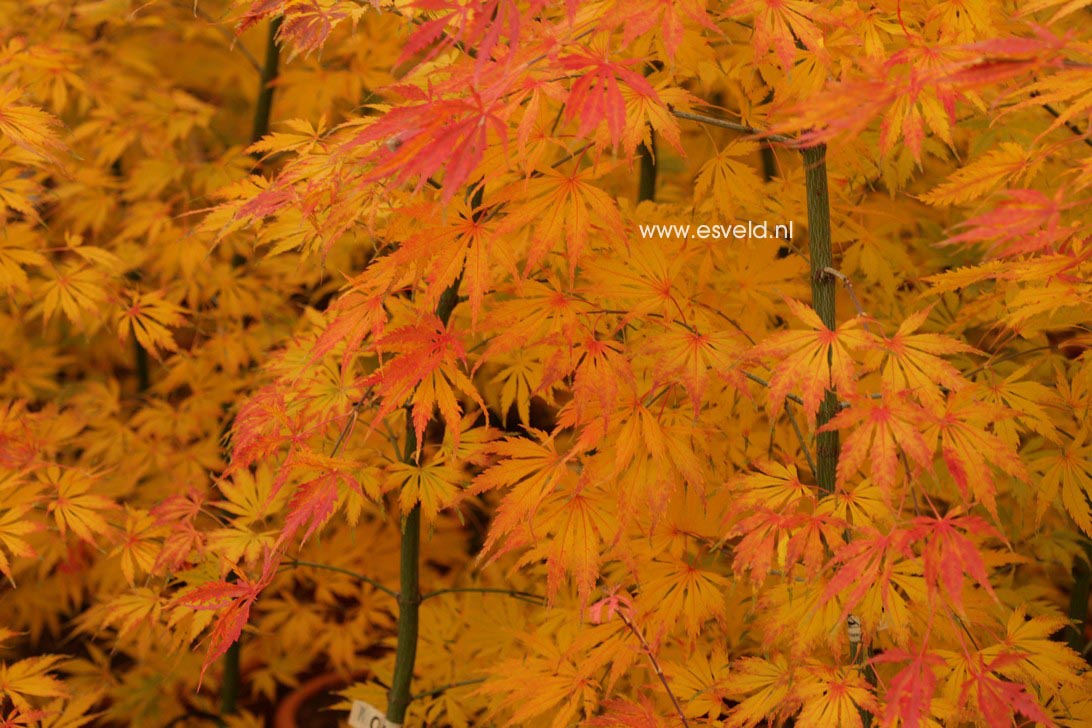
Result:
{"points": [[948, 554], [596, 96], [912, 689]]}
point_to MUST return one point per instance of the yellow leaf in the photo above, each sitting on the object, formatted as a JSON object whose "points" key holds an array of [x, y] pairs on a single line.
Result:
{"points": [[74, 507], [763, 688], [30, 678], [148, 317]]}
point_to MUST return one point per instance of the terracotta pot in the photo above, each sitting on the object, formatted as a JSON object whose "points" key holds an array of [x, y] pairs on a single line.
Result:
{"points": [[288, 710]]}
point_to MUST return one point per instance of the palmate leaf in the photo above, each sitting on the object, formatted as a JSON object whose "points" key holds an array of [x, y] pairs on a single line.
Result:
{"points": [[575, 527], [969, 450], [910, 693], [28, 127], [876, 431], [1041, 660], [763, 689], [801, 359], [233, 600], [564, 208], [1010, 163], [867, 562], [912, 361], [30, 678], [779, 25], [424, 372], [596, 97], [950, 554], [638, 18], [73, 506], [833, 697], [1024, 221], [1067, 472], [13, 527], [149, 317], [450, 134], [434, 486]]}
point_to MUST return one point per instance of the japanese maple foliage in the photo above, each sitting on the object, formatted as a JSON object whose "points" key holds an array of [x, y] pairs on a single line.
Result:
{"points": [[349, 336]]}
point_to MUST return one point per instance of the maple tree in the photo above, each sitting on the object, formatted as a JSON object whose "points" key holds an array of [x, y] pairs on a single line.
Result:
{"points": [[337, 341]]}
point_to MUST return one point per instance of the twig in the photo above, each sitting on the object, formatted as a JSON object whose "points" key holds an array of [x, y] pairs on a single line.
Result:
{"points": [[230, 37], [734, 126], [800, 438], [656, 667], [526, 596], [296, 563], [852, 294], [445, 688]]}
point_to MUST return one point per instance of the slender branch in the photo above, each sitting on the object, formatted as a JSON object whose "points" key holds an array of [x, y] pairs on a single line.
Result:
{"points": [[656, 668], [734, 126], [445, 688], [297, 563], [526, 596], [1076, 130], [234, 44], [759, 380], [849, 289], [800, 438]]}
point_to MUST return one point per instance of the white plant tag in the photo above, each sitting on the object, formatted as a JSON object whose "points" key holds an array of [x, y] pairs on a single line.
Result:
{"points": [[366, 716]]}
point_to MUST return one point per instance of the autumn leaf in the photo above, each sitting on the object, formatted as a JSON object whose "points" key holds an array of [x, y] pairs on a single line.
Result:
{"points": [[424, 372], [1067, 472], [878, 429], [970, 452], [29, 127], [596, 97], [564, 207], [802, 358], [14, 527], [30, 678], [835, 697], [149, 318], [763, 688], [912, 688], [233, 600], [74, 506], [913, 363], [950, 553]]}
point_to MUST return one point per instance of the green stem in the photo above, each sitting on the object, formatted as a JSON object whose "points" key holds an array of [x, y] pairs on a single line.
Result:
{"points": [[264, 105], [822, 299], [860, 657], [232, 677], [409, 595], [143, 370], [1078, 599], [409, 602], [646, 185], [229, 686]]}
